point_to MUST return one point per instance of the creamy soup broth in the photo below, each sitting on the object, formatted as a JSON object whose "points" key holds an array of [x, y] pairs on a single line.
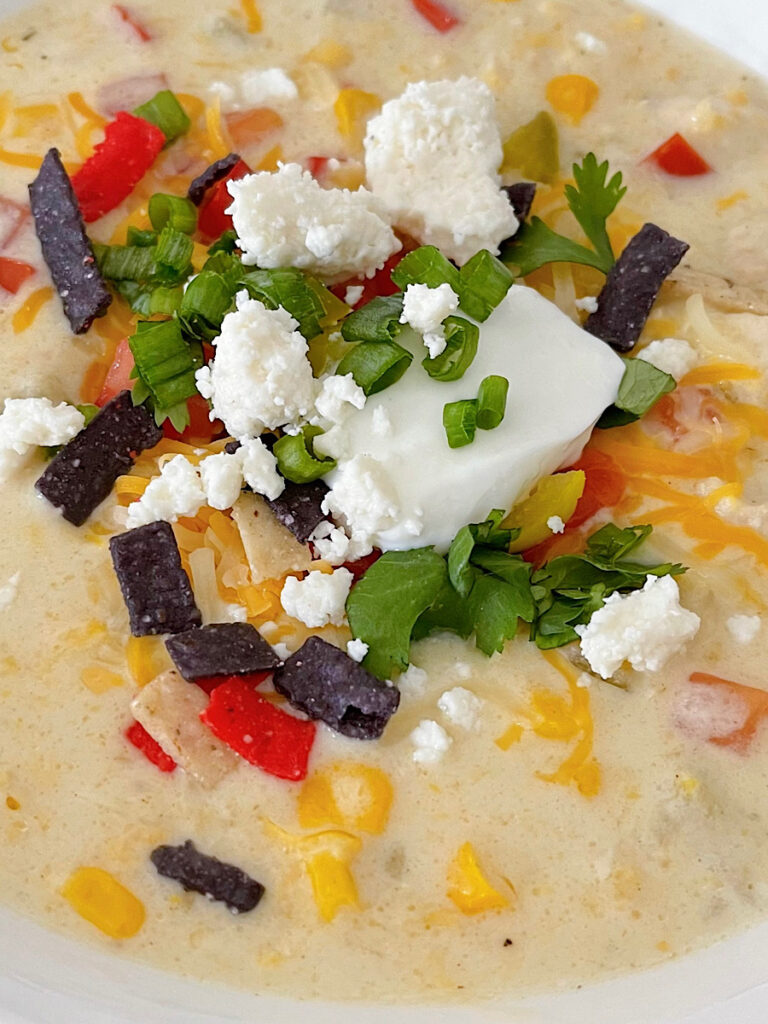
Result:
{"points": [[668, 854]]}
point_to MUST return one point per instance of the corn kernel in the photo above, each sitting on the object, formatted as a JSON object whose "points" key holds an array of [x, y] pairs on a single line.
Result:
{"points": [[353, 107], [469, 889], [349, 795], [99, 898], [572, 95]]}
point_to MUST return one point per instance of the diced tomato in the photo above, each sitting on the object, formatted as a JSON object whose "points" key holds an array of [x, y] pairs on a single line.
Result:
{"points": [[677, 157], [250, 127], [118, 375], [381, 283], [360, 566], [604, 487], [13, 273], [209, 683], [149, 747], [212, 221], [437, 14], [316, 165], [201, 428], [263, 734], [12, 216], [716, 723], [128, 18], [117, 165]]}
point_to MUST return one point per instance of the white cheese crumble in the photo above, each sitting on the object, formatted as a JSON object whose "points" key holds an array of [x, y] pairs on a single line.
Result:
{"points": [[381, 423], [743, 628], [256, 88], [425, 308], [261, 377], [357, 649], [222, 479], [285, 219], [555, 524], [430, 740], [460, 706], [590, 43], [259, 468], [26, 423], [337, 397], [672, 355], [318, 599], [588, 304], [413, 681], [353, 294], [432, 157], [644, 628], [178, 491], [9, 590]]}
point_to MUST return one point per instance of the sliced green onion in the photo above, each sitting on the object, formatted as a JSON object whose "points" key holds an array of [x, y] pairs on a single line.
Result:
{"points": [[461, 338], [148, 299], [144, 239], [491, 401], [174, 249], [375, 365], [378, 320], [296, 457], [125, 262], [165, 111], [164, 362], [289, 288], [226, 243], [428, 266], [172, 211], [642, 385], [483, 283], [460, 422], [204, 305]]}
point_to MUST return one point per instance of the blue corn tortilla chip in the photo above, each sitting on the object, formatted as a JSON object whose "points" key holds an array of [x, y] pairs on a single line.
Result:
{"points": [[326, 684], [298, 508], [221, 649], [521, 196], [84, 471], [155, 588], [66, 247], [632, 285], [210, 176], [198, 872]]}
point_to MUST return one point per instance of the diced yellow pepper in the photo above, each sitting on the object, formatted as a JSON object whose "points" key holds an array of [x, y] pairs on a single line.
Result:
{"points": [[533, 149], [469, 889], [99, 898], [147, 657], [352, 109], [572, 95], [330, 52], [98, 679], [349, 795], [555, 495], [332, 884]]}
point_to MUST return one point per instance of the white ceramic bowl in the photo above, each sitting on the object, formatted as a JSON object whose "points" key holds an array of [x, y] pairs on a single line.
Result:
{"points": [[47, 979]]}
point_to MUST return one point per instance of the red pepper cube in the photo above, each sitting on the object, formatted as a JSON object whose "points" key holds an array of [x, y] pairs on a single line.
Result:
{"points": [[212, 221], [677, 157], [149, 747], [117, 165], [258, 731], [210, 683], [437, 14], [13, 273]]}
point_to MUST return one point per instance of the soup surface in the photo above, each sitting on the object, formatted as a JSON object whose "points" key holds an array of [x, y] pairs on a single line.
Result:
{"points": [[617, 824]]}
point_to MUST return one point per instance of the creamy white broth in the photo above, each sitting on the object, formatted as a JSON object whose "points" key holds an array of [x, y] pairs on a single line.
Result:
{"points": [[668, 855]]}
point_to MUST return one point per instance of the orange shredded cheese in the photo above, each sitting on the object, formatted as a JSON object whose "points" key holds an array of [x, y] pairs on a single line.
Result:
{"points": [[77, 103], [217, 143], [25, 315], [20, 159], [253, 19]]}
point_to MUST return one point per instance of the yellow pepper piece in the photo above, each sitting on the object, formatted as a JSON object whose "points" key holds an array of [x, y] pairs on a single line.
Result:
{"points": [[533, 149], [330, 52], [332, 884], [469, 889], [98, 897], [352, 109], [147, 658], [555, 495], [349, 795], [572, 95]]}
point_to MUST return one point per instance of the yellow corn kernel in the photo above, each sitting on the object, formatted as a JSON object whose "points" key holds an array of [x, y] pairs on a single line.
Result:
{"points": [[572, 95], [349, 795], [333, 886], [146, 657], [331, 53], [353, 107], [98, 679], [555, 495], [25, 316], [469, 889], [12, 803], [98, 897], [533, 149]]}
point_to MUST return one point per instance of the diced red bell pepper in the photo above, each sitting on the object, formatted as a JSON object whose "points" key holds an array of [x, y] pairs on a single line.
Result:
{"points": [[118, 375], [437, 14], [360, 566], [12, 216], [149, 747], [13, 273], [604, 486], [117, 165], [381, 283], [209, 683], [677, 157], [263, 734], [316, 165], [212, 221], [127, 17]]}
